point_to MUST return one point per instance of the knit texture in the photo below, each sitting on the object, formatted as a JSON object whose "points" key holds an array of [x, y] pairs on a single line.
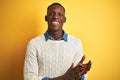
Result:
{"points": [[51, 58]]}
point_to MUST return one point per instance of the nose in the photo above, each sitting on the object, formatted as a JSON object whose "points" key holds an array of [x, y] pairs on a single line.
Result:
{"points": [[55, 16]]}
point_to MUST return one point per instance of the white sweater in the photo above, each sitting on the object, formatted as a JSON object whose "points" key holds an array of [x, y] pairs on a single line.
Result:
{"points": [[51, 58]]}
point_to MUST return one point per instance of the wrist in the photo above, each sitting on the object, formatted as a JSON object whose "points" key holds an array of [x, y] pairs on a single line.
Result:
{"points": [[62, 77]]}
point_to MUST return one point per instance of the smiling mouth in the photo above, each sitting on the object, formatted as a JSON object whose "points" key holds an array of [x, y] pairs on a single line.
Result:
{"points": [[55, 23]]}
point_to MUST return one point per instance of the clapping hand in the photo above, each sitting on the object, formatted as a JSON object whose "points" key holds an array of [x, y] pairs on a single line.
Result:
{"points": [[77, 71]]}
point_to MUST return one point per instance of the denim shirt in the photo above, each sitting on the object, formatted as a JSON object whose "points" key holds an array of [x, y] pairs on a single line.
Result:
{"points": [[47, 36]]}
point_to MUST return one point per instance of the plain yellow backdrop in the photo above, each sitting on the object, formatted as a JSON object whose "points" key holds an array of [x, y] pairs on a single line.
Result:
{"points": [[95, 22]]}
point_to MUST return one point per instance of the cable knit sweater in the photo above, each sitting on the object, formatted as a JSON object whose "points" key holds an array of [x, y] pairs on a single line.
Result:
{"points": [[51, 58]]}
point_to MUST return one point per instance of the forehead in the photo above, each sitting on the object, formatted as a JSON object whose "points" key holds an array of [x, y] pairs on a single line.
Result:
{"points": [[56, 7]]}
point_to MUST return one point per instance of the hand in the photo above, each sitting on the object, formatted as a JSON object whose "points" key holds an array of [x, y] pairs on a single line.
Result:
{"points": [[85, 67], [72, 72], [75, 72]]}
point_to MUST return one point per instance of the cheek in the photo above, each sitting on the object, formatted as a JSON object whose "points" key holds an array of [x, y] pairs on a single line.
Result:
{"points": [[63, 20], [49, 18]]}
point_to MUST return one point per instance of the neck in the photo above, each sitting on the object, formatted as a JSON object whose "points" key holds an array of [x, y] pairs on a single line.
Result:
{"points": [[56, 34]]}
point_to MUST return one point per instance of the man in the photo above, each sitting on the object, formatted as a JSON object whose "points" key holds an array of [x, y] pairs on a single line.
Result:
{"points": [[55, 55]]}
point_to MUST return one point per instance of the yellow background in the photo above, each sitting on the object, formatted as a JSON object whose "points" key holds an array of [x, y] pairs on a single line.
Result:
{"points": [[95, 22]]}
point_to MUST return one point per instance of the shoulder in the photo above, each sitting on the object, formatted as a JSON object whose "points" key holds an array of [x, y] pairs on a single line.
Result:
{"points": [[76, 42], [73, 39], [37, 40]]}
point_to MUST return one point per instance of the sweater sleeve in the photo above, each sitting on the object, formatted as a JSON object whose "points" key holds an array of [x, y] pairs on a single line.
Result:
{"points": [[79, 52], [31, 64], [78, 55]]}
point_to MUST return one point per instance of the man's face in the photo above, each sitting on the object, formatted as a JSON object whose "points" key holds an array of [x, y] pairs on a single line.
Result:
{"points": [[55, 18]]}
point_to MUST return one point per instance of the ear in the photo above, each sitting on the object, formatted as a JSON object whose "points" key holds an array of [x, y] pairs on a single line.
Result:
{"points": [[46, 18], [64, 19]]}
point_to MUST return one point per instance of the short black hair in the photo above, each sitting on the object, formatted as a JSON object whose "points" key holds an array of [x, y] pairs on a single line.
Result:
{"points": [[56, 4]]}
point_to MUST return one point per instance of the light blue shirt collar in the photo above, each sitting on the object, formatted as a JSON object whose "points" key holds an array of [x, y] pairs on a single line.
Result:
{"points": [[47, 36]]}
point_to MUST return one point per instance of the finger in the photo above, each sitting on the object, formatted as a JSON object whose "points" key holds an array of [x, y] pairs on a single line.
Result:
{"points": [[76, 68], [77, 71], [88, 68], [82, 72], [85, 68], [83, 58], [89, 63], [71, 67]]}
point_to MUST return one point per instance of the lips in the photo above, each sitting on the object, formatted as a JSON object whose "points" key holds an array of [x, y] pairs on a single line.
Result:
{"points": [[55, 23]]}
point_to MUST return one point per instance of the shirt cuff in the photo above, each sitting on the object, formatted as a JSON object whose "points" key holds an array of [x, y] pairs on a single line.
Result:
{"points": [[45, 78], [83, 77]]}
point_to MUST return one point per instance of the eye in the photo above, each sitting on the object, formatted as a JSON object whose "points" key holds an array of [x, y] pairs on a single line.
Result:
{"points": [[51, 14], [60, 14]]}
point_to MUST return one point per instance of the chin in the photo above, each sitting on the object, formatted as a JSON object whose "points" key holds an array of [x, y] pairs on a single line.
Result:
{"points": [[54, 30]]}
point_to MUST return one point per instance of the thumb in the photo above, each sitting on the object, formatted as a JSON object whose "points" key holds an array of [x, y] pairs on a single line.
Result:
{"points": [[71, 67], [83, 58]]}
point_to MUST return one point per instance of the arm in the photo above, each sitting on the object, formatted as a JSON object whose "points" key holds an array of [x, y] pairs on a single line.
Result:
{"points": [[84, 69], [71, 73], [31, 64], [31, 67], [75, 73], [79, 59]]}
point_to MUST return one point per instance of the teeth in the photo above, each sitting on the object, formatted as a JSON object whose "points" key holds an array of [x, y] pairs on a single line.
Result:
{"points": [[55, 23]]}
